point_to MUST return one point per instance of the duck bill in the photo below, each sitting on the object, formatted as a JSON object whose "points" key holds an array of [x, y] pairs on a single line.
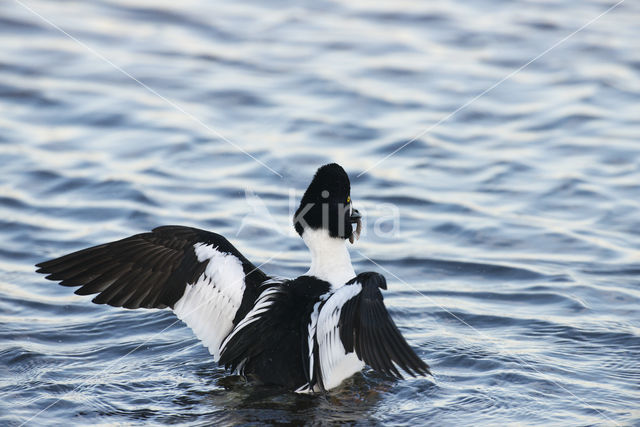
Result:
{"points": [[355, 218]]}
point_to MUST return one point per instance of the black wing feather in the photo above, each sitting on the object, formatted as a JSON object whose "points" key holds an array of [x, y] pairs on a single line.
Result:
{"points": [[367, 328], [148, 270]]}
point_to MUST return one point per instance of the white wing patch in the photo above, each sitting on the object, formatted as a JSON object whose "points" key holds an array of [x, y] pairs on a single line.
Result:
{"points": [[209, 305], [335, 363], [311, 330]]}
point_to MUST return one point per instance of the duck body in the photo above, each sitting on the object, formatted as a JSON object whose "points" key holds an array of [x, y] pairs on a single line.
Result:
{"points": [[275, 350], [306, 334]]}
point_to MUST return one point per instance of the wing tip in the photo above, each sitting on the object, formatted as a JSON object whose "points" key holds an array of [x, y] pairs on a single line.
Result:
{"points": [[417, 369], [44, 267], [421, 369]]}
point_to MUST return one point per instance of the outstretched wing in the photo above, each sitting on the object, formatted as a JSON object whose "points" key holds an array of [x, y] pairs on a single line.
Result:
{"points": [[353, 325], [207, 282]]}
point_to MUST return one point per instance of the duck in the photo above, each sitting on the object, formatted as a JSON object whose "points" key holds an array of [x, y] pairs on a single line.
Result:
{"points": [[305, 334]]}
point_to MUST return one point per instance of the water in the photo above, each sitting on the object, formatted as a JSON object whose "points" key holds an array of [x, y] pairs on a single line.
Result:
{"points": [[514, 263]]}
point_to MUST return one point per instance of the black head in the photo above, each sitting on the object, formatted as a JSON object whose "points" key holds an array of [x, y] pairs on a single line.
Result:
{"points": [[327, 204]]}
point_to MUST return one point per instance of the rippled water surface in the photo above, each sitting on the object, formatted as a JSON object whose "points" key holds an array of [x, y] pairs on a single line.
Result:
{"points": [[509, 231]]}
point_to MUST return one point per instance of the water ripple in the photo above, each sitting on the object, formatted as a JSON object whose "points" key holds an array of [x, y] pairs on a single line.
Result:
{"points": [[517, 215]]}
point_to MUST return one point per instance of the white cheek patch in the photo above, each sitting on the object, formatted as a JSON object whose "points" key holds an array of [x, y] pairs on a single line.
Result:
{"points": [[209, 305]]}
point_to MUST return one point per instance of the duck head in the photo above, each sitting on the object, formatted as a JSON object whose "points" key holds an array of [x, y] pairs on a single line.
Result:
{"points": [[325, 220], [326, 205]]}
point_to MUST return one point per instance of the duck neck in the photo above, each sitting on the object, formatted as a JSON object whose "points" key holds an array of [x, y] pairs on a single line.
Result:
{"points": [[330, 260]]}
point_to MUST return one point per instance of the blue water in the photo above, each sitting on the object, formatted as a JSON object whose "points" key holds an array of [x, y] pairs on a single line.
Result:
{"points": [[509, 233]]}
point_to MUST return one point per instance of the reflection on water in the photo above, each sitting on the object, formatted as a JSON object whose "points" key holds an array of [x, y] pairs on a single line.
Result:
{"points": [[513, 270], [239, 402]]}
